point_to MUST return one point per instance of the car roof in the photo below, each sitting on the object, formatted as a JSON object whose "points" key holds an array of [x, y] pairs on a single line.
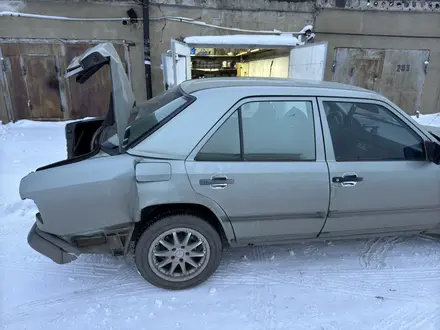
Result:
{"points": [[194, 85]]}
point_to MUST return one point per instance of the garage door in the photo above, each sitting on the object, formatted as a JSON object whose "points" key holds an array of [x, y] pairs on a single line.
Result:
{"points": [[397, 74], [33, 85]]}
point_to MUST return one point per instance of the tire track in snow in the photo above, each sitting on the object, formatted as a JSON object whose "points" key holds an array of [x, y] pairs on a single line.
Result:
{"points": [[394, 275], [420, 319], [369, 292], [227, 279], [263, 309], [370, 287], [258, 254], [246, 273], [105, 292], [386, 274], [269, 309], [410, 317], [376, 250], [388, 281], [366, 255], [394, 320], [353, 281], [239, 275], [258, 278], [57, 273], [82, 270], [355, 285], [77, 266], [351, 270]]}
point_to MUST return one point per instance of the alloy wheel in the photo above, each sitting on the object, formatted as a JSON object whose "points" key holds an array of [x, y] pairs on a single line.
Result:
{"points": [[179, 254]]}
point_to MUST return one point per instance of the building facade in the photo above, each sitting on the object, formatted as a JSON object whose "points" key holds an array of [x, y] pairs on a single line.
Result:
{"points": [[392, 47]]}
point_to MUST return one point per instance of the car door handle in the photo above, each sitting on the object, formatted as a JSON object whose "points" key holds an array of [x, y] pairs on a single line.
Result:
{"points": [[347, 180], [216, 182]]}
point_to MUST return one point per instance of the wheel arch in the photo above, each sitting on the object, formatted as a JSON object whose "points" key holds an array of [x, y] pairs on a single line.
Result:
{"points": [[153, 213]]}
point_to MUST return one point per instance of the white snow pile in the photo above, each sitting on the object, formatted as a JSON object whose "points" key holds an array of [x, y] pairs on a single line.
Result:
{"points": [[377, 283]]}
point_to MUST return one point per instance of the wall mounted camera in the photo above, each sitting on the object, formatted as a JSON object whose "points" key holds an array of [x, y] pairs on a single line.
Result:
{"points": [[133, 17]]}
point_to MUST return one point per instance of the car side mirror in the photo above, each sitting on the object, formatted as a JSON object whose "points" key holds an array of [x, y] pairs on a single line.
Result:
{"points": [[433, 151]]}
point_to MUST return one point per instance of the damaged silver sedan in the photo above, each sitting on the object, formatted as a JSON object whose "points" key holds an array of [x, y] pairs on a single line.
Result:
{"points": [[214, 163]]}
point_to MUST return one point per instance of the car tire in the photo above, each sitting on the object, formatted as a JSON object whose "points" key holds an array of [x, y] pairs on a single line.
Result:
{"points": [[162, 247]]}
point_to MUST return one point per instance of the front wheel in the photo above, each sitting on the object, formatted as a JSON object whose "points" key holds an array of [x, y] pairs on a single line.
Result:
{"points": [[178, 252]]}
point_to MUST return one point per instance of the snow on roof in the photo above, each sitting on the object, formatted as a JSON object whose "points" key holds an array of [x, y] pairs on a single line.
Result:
{"points": [[428, 120], [431, 122], [244, 41]]}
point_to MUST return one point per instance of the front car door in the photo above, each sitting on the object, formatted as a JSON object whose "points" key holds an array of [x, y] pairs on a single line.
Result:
{"points": [[381, 179], [264, 164]]}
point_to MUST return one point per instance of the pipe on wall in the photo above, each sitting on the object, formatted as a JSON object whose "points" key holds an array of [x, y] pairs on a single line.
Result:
{"points": [[60, 18], [305, 31], [147, 60]]}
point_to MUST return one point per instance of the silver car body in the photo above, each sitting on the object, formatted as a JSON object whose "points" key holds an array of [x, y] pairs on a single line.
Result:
{"points": [[259, 203]]}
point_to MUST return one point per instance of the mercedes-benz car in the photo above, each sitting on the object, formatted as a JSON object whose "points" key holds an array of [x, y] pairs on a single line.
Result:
{"points": [[217, 163]]}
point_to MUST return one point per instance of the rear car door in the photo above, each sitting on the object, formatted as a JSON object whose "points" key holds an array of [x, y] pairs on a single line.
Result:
{"points": [[381, 179], [263, 163]]}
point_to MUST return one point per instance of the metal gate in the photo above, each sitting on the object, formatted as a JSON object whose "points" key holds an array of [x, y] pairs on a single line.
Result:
{"points": [[33, 85], [397, 74]]}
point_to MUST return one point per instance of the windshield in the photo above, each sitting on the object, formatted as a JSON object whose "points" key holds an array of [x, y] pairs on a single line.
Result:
{"points": [[146, 117]]}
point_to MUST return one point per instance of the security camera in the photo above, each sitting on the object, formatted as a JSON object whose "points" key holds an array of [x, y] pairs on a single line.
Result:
{"points": [[133, 17]]}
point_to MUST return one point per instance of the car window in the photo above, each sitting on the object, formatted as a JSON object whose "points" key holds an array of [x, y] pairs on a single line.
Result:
{"points": [[271, 131], [281, 130], [370, 132], [152, 113], [224, 144]]}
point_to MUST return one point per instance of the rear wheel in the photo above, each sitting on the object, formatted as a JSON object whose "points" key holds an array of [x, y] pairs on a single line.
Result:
{"points": [[178, 252]]}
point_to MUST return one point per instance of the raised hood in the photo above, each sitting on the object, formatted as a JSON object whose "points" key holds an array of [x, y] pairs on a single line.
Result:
{"points": [[93, 59]]}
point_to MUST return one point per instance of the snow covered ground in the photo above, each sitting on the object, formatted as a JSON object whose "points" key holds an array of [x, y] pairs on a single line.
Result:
{"points": [[385, 283]]}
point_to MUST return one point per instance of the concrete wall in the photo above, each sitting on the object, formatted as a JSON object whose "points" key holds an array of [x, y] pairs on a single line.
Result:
{"points": [[343, 23]]}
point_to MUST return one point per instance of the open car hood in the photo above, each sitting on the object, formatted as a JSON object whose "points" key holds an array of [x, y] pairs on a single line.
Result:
{"points": [[93, 59]]}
